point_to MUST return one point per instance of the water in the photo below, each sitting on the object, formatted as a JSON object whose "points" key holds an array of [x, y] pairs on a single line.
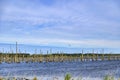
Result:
{"points": [[91, 69]]}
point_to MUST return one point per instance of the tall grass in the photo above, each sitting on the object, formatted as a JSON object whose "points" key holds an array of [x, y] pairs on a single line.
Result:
{"points": [[108, 77], [35, 78], [67, 77]]}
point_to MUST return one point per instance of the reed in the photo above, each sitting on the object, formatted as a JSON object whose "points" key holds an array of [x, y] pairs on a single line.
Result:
{"points": [[107, 77], [18, 56], [26, 57], [67, 77], [35, 78]]}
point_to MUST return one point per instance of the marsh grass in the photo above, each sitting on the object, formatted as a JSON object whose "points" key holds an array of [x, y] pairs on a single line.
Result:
{"points": [[67, 77], [108, 77], [35, 78], [0, 78], [118, 78]]}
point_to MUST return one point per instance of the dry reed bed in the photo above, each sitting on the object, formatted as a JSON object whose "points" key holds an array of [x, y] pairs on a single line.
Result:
{"points": [[61, 57]]}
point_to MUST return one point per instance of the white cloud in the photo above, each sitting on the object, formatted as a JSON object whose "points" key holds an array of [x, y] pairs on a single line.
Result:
{"points": [[64, 42], [78, 23]]}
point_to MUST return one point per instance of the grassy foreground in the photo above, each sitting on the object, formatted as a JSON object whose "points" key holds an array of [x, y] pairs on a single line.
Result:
{"points": [[107, 77], [67, 77]]}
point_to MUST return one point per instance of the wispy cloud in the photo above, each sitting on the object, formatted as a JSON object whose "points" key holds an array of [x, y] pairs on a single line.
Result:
{"points": [[65, 42], [80, 23]]}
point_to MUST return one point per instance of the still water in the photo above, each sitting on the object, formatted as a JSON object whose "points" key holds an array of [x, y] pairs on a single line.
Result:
{"points": [[91, 69]]}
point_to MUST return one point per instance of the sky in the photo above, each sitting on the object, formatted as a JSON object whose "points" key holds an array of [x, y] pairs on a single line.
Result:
{"points": [[61, 23]]}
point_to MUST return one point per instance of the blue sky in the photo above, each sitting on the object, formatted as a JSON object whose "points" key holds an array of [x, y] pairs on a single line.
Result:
{"points": [[61, 23]]}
